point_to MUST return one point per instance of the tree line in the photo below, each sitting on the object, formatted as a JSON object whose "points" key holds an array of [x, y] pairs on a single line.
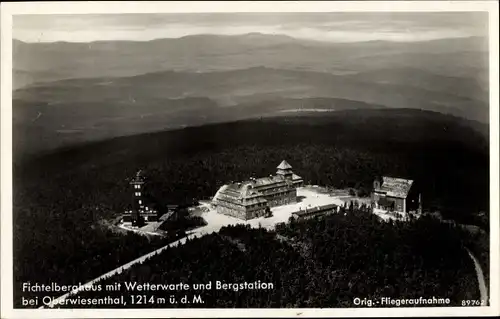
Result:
{"points": [[61, 199], [321, 262]]}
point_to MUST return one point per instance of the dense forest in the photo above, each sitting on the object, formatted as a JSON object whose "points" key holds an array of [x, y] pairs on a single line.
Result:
{"points": [[61, 198], [183, 223], [478, 243], [321, 262], [68, 264]]}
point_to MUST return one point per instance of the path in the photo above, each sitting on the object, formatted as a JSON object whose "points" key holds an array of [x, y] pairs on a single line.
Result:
{"points": [[215, 222], [138, 231], [473, 229], [480, 277], [202, 231]]}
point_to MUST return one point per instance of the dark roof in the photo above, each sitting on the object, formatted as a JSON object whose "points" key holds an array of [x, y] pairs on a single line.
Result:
{"points": [[250, 191], [268, 180], [315, 210], [241, 193]]}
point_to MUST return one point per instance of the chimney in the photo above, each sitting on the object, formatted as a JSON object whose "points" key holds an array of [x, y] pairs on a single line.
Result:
{"points": [[420, 203]]}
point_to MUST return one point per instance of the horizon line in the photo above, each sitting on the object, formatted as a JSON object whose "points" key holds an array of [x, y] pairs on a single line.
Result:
{"points": [[252, 33]]}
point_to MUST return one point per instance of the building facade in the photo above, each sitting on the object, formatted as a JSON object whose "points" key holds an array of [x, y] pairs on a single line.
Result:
{"points": [[254, 198], [315, 211], [393, 194]]}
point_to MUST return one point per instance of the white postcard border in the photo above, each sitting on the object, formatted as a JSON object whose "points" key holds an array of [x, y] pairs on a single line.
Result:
{"points": [[10, 9]]}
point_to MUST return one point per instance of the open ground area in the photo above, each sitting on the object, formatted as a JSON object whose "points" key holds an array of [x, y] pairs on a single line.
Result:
{"points": [[308, 197]]}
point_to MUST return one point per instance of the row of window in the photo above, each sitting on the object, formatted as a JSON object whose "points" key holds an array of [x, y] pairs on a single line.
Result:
{"points": [[275, 189], [283, 194], [229, 205], [258, 205]]}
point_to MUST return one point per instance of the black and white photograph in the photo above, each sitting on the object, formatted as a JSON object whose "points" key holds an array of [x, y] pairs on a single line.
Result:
{"points": [[250, 156]]}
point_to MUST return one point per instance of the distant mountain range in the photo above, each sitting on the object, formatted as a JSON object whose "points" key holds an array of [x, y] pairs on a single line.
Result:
{"points": [[67, 93], [35, 62]]}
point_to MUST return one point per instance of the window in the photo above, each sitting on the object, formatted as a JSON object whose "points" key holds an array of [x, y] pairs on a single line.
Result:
{"points": [[140, 202], [137, 193], [137, 186]]}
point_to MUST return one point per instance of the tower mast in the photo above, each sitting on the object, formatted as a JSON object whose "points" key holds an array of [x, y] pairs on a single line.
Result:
{"points": [[138, 202]]}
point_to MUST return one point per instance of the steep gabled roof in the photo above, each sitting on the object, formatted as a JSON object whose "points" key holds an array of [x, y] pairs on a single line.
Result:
{"points": [[239, 193], [284, 165], [395, 187], [264, 181]]}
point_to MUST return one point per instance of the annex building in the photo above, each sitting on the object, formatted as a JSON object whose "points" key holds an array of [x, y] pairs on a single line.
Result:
{"points": [[254, 198], [317, 211], [394, 194]]}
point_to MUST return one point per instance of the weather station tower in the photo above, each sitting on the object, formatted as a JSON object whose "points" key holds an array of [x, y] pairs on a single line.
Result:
{"points": [[138, 201]]}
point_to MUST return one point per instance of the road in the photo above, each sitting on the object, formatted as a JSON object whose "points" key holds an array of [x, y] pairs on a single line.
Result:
{"points": [[123, 267], [483, 291], [215, 222]]}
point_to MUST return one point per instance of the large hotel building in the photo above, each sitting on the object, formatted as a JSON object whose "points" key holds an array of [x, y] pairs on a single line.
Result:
{"points": [[253, 198]]}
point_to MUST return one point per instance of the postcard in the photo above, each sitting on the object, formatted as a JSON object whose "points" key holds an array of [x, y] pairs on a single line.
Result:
{"points": [[299, 159]]}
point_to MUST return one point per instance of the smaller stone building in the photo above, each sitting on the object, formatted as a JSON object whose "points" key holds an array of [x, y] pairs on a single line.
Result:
{"points": [[393, 194]]}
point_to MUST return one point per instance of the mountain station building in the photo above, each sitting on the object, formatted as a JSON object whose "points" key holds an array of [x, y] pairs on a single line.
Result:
{"points": [[394, 194]]}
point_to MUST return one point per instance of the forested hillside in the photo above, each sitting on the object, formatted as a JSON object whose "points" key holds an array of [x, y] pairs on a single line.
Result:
{"points": [[324, 262], [59, 197]]}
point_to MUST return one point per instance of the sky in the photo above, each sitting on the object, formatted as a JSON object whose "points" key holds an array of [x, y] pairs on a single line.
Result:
{"points": [[331, 27]]}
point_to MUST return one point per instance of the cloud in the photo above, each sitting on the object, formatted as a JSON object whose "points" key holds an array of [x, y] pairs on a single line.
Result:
{"points": [[333, 27]]}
